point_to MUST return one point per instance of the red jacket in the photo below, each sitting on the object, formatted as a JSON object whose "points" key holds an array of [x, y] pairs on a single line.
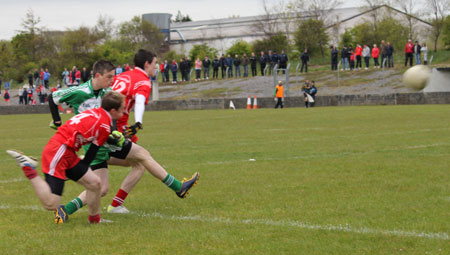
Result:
{"points": [[409, 48], [358, 51], [375, 52]]}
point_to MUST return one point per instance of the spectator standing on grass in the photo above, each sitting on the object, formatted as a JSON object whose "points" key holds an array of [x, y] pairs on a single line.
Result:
{"points": [[278, 95], [223, 65], [46, 78], [334, 58], [65, 77], [229, 64], [20, 94], [6, 96], [417, 52], [424, 51], [352, 59], [409, 49], [30, 78], [313, 92], [237, 65], [166, 70], [375, 55], [161, 70], [383, 53], [25, 96], [245, 64], [174, 69], [390, 54], [305, 59], [282, 60], [78, 76], [41, 77], [262, 62], [344, 58], [182, 67], [36, 76], [198, 69], [215, 66], [85, 75], [188, 68], [275, 59], [118, 69], [366, 56], [206, 65], [253, 64], [306, 87], [358, 54]]}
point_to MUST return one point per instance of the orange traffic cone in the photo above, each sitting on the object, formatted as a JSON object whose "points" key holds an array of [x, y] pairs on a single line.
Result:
{"points": [[255, 103], [249, 102]]}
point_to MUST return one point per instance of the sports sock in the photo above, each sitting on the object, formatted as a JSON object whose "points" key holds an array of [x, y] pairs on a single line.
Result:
{"points": [[73, 205], [94, 219], [119, 198], [29, 172], [172, 183]]}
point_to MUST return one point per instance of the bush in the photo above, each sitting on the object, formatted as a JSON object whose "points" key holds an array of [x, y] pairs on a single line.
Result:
{"points": [[202, 50], [239, 47]]}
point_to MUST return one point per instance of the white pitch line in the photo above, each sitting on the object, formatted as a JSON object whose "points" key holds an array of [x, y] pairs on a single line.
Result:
{"points": [[280, 223], [12, 180]]}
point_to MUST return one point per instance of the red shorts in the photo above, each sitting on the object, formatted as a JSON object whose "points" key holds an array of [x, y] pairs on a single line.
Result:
{"points": [[57, 158]]}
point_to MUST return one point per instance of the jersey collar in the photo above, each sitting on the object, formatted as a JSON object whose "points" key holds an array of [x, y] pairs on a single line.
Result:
{"points": [[141, 70]]}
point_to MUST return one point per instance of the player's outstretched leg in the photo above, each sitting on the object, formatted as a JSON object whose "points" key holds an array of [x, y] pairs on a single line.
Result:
{"points": [[28, 164], [61, 215], [187, 184]]}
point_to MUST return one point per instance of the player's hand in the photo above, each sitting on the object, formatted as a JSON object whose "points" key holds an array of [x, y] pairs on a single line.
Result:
{"points": [[55, 124], [132, 130], [116, 138]]}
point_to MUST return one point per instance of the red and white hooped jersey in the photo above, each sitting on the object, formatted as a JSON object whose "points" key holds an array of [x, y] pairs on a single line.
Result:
{"points": [[130, 84], [91, 126]]}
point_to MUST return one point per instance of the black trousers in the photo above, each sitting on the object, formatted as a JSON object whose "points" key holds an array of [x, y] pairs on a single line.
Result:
{"points": [[279, 103], [304, 64]]}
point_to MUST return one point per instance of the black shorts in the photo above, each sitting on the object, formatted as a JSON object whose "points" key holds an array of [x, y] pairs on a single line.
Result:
{"points": [[123, 153], [99, 166], [74, 173]]}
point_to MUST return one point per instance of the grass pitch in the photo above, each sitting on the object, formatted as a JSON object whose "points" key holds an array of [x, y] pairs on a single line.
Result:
{"points": [[331, 180]]}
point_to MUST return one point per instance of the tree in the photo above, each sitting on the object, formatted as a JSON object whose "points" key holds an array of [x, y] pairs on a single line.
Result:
{"points": [[408, 7], [311, 35], [78, 46], [182, 18], [140, 33], [446, 32], [439, 10], [239, 47], [202, 50], [276, 42]]}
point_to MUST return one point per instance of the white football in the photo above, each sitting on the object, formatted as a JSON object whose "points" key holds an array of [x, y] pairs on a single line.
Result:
{"points": [[416, 77]]}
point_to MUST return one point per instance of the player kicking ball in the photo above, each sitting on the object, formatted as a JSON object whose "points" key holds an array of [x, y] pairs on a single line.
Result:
{"points": [[60, 161]]}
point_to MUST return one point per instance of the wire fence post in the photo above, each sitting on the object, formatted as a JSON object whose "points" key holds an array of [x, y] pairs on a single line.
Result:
{"points": [[339, 73]]}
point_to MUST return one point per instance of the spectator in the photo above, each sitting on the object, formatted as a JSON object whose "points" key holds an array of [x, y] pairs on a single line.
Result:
{"points": [[358, 54], [223, 65], [278, 95], [312, 93], [41, 77], [30, 78], [206, 65], [352, 59], [118, 69], [245, 64], [344, 58], [161, 70], [85, 75], [20, 94], [65, 77], [215, 65], [25, 95], [424, 50], [78, 77], [253, 64], [6, 96], [305, 89], [229, 64], [188, 68], [42, 94], [305, 59], [366, 55], [174, 69], [262, 62], [46, 78], [334, 58], [375, 55], [72, 75], [390, 54], [275, 60], [36, 76], [127, 67], [409, 52], [237, 65], [383, 53], [182, 66], [198, 69], [30, 95], [282, 60], [417, 52], [166, 70]]}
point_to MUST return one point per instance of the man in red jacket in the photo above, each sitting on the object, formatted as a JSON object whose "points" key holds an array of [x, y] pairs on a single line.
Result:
{"points": [[358, 53], [409, 49]]}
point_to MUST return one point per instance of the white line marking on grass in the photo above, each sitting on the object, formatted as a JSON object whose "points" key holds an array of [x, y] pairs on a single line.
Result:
{"points": [[12, 180], [280, 223], [302, 225]]}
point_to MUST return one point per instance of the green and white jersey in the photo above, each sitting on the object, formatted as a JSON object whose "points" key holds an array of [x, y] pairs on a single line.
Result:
{"points": [[81, 97]]}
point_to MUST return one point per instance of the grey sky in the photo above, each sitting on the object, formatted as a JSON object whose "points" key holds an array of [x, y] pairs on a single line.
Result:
{"points": [[60, 15]]}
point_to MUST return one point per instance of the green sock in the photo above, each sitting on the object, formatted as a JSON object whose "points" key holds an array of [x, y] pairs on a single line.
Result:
{"points": [[73, 205], [172, 183]]}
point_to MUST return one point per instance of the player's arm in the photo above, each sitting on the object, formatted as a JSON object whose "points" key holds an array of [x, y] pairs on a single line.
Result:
{"points": [[90, 154], [55, 112], [139, 109]]}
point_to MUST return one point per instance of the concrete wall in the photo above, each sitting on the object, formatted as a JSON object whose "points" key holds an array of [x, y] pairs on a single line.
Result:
{"points": [[241, 103]]}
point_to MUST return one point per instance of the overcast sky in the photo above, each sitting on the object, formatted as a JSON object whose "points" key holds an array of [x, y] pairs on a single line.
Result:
{"points": [[60, 15]]}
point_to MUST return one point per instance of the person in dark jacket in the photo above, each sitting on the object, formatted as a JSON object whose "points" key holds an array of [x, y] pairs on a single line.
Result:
{"points": [[245, 64], [174, 69], [188, 66], [206, 65], [253, 64], [223, 65], [215, 65], [417, 52], [262, 62], [85, 75], [390, 54], [237, 65], [313, 92], [334, 58], [344, 58], [282, 60], [229, 64], [166, 70], [182, 67], [305, 59]]}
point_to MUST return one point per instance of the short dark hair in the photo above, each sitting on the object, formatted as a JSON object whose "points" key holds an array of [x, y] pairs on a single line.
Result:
{"points": [[143, 55], [101, 66], [112, 100]]}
